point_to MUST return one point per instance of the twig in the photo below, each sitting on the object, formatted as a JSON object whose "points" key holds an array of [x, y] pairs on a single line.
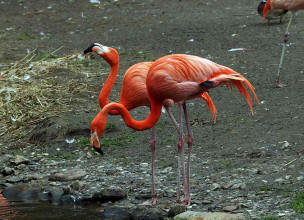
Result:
{"points": [[290, 162]]}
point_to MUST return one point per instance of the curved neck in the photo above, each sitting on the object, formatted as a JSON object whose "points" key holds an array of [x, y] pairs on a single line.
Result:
{"points": [[147, 123], [106, 89]]}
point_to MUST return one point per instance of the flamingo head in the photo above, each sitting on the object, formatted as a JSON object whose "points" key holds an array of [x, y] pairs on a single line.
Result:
{"points": [[107, 53], [97, 129]]}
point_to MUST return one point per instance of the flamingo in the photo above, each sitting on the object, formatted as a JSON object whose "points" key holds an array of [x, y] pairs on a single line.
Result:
{"points": [[134, 94], [273, 14], [291, 5], [178, 78]]}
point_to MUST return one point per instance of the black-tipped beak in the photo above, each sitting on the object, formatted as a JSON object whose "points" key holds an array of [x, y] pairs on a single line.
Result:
{"points": [[98, 149], [89, 49]]}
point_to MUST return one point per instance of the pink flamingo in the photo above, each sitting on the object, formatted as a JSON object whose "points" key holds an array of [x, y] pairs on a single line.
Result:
{"points": [[177, 78], [134, 94]]}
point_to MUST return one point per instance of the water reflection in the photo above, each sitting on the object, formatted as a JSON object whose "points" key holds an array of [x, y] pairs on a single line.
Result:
{"points": [[10, 210]]}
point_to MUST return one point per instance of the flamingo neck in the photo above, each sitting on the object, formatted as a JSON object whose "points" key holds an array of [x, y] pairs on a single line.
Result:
{"points": [[147, 123], [106, 89]]}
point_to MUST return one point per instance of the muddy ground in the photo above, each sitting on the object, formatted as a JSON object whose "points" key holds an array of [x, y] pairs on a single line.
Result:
{"points": [[262, 153]]}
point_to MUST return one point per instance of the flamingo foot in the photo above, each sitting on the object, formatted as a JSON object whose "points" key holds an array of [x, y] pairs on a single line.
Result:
{"points": [[278, 84], [185, 202], [150, 203]]}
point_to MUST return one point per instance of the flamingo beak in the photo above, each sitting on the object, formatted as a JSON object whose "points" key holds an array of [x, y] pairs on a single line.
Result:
{"points": [[89, 49], [95, 143]]}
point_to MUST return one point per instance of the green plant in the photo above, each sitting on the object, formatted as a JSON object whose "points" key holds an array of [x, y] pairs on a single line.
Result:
{"points": [[297, 203], [67, 156]]}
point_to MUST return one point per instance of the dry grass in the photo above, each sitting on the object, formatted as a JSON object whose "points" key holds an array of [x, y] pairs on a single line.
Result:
{"points": [[29, 92]]}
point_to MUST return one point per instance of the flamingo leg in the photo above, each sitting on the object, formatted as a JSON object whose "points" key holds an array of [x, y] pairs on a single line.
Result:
{"points": [[285, 39], [152, 145], [190, 143], [180, 145]]}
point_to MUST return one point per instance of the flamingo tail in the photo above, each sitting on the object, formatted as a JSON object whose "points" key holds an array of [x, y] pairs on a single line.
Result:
{"points": [[205, 96], [231, 78], [266, 8]]}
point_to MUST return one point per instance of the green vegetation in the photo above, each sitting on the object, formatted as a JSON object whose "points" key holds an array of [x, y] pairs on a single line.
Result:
{"points": [[119, 140], [297, 203], [83, 142]]}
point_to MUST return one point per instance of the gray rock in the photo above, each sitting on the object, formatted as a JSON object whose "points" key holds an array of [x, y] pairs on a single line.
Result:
{"points": [[189, 215], [7, 171], [108, 195], [229, 208], [148, 213], [115, 213], [68, 175], [215, 186], [17, 160], [15, 179]]}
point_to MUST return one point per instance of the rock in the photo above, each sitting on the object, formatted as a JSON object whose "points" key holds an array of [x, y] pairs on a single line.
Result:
{"points": [[115, 213], [68, 175], [285, 144], [112, 195], [175, 210], [229, 208], [189, 215], [17, 160], [77, 185], [148, 213], [7, 171], [15, 179], [215, 186], [279, 180]]}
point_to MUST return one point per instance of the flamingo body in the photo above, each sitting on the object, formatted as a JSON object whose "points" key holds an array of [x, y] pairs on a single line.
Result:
{"points": [[134, 94]]}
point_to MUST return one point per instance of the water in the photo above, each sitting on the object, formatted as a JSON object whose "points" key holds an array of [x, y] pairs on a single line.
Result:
{"points": [[45, 210]]}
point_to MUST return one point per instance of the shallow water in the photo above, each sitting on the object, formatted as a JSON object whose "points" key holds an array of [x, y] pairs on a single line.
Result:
{"points": [[45, 210]]}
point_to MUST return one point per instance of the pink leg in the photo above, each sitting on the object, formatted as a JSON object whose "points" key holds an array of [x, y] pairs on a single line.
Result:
{"points": [[180, 145], [190, 143], [152, 145]]}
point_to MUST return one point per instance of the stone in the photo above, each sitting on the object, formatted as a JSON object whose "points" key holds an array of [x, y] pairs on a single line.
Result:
{"points": [[17, 160], [148, 213], [68, 175], [110, 195], [229, 208], [190, 215], [15, 179], [215, 186], [115, 213], [8, 171]]}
